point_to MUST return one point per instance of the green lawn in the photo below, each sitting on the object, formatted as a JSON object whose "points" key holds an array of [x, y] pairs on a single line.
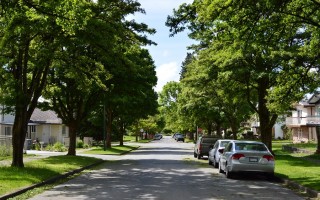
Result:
{"points": [[302, 168], [36, 171]]}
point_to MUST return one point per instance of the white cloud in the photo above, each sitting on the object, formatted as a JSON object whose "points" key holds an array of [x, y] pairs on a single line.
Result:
{"points": [[166, 73]]}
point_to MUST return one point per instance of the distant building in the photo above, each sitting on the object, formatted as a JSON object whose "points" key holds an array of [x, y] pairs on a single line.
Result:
{"points": [[305, 119]]}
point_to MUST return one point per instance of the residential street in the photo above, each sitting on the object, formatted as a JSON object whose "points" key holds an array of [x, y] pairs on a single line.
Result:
{"points": [[162, 170]]}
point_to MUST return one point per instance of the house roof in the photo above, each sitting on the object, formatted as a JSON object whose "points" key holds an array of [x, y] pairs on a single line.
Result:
{"points": [[47, 117], [315, 98]]}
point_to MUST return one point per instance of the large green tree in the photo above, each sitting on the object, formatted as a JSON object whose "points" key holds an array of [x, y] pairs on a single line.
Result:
{"points": [[252, 43], [30, 35]]}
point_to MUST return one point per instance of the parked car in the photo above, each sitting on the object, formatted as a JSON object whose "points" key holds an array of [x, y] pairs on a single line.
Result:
{"points": [[179, 137], [246, 156], [202, 146], [216, 151], [157, 136]]}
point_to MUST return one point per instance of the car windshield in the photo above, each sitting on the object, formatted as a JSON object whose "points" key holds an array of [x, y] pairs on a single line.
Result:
{"points": [[250, 147], [209, 140]]}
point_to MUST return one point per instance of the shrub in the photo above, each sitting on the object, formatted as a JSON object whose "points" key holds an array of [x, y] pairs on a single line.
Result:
{"points": [[86, 146], [5, 151], [59, 147], [80, 144], [49, 147]]}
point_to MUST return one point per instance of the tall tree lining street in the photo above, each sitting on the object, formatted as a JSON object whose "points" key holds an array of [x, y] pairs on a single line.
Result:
{"points": [[164, 169]]}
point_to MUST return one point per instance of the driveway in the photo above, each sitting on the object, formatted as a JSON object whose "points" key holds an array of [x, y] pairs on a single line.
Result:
{"points": [[163, 170]]}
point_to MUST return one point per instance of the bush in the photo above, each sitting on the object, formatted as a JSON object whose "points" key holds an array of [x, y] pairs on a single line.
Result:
{"points": [[86, 146], [49, 147], [5, 151], [80, 144], [59, 147]]}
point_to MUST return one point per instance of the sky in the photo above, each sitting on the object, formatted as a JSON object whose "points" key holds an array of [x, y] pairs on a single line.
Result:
{"points": [[170, 52]]}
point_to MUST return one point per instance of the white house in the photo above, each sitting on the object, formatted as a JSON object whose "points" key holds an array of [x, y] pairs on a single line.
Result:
{"points": [[305, 119], [43, 125]]}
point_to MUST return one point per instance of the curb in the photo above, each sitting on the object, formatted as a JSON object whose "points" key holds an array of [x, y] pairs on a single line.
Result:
{"points": [[302, 189], [49, 181]]}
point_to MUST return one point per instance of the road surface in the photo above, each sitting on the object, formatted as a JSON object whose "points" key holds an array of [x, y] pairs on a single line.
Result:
{"points": [[164, 170]]}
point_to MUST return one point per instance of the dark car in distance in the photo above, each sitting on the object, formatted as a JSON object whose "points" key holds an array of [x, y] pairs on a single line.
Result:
{"points": [[179, 137]]}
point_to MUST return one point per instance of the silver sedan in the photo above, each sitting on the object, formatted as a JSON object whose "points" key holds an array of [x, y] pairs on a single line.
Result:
{"points": [[216, 151], [246, 156]]}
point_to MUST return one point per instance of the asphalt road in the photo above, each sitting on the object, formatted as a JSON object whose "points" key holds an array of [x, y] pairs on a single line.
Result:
{"points": [[164, 170]]}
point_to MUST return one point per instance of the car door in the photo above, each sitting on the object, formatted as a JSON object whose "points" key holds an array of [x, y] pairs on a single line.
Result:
{"points": [[215, 150], [225, 155], [212, 151]]}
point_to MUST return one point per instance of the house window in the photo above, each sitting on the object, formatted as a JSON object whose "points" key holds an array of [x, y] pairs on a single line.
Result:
{"points": [[32, 129], [317, 111], [7, 130], [63, 130]]}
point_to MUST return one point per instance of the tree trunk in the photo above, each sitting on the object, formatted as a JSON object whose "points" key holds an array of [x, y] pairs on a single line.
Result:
{"points": [[209, 127], [318, 138], [73, 137], [19, 135], [266, 119], [109, 128], [122, 131], [218, 129]]}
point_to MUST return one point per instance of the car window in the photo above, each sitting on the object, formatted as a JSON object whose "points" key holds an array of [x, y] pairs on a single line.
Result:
{"points": [[229, 147], [223, 143], [209, 140], [250, 147], [216, 145]]}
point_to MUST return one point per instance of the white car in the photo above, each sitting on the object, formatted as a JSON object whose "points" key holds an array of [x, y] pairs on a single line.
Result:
{"points": [[216, 151], [246, 156]]}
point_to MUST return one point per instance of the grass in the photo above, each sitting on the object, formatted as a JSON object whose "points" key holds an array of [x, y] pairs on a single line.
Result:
{"points": [[302, 168], [114, 150], [12, 178]]}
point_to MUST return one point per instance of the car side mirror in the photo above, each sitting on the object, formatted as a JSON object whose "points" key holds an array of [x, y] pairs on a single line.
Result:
{"points": [[221, 151]]}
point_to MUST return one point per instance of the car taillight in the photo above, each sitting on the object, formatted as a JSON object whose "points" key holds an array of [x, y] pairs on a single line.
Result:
{"points": [[268, 157], [237, 156]]}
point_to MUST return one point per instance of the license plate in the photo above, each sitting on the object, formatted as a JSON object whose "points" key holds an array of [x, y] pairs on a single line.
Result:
{"points": [[253, 159]]}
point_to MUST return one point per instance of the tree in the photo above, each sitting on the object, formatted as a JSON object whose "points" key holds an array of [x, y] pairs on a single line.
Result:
{"points": [[168, 105], [250, 42], [133, 83], [30, 34]]}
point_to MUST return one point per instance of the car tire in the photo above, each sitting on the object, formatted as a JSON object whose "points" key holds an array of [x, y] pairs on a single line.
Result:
{"points": [[210, 162], [199, 156], [195, 155], [215, 164], [228, 173], [220, 170]]}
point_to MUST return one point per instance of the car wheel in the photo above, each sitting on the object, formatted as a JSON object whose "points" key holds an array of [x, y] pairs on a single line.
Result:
{"points": [[215, 164], [228, 173], [220, 170], [210, 162], [199, 156], [195, 155]]}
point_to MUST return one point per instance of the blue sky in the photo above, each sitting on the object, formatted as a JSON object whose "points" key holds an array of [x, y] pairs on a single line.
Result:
{"points": [[170, 51]]}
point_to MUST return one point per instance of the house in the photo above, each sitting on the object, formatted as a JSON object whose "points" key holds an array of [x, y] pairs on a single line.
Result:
{"points": [[305, 119], [43, 125], [277, 132]]}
